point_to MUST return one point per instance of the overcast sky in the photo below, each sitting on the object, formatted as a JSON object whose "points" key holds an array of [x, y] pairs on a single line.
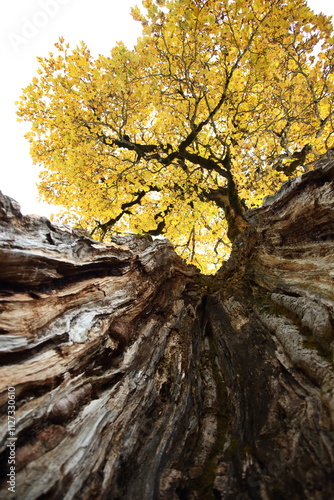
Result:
{"points": [[29, 28]]}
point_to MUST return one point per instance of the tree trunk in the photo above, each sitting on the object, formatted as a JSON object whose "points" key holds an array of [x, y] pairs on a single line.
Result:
{"points": [[134, 377]]}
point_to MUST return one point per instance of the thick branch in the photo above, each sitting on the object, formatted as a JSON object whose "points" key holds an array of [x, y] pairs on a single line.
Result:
{"points": [[124, 210], [226, 198], [206, 163]]}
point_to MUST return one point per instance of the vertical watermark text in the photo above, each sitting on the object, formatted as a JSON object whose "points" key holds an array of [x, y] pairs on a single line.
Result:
{"points": [[11, 440]]}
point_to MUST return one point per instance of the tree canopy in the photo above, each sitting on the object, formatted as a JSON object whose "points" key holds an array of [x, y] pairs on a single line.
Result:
{"points": [[219, 102]]}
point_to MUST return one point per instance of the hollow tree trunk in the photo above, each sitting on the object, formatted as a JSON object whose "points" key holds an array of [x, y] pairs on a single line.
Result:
{"points": [[137, 378]]}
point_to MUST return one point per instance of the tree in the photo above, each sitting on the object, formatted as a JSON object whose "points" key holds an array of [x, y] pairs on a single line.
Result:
{"points": [[219, 102], [125, 374]]}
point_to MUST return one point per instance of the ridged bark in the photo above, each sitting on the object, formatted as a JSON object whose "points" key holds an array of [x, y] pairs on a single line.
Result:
{"points": [[137, 378]]}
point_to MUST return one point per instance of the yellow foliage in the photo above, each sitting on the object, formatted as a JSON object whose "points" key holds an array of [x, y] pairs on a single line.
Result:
{"points": [[216, 94]]}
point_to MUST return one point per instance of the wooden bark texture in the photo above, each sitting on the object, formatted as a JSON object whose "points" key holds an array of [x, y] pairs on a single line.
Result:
{"points": [[138, 378]]}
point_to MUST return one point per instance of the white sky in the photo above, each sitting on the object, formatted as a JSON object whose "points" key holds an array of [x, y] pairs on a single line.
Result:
{"points": [[28, 29]]}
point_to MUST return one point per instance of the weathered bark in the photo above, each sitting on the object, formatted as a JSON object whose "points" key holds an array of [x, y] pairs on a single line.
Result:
{"points": [[137, 378]]}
